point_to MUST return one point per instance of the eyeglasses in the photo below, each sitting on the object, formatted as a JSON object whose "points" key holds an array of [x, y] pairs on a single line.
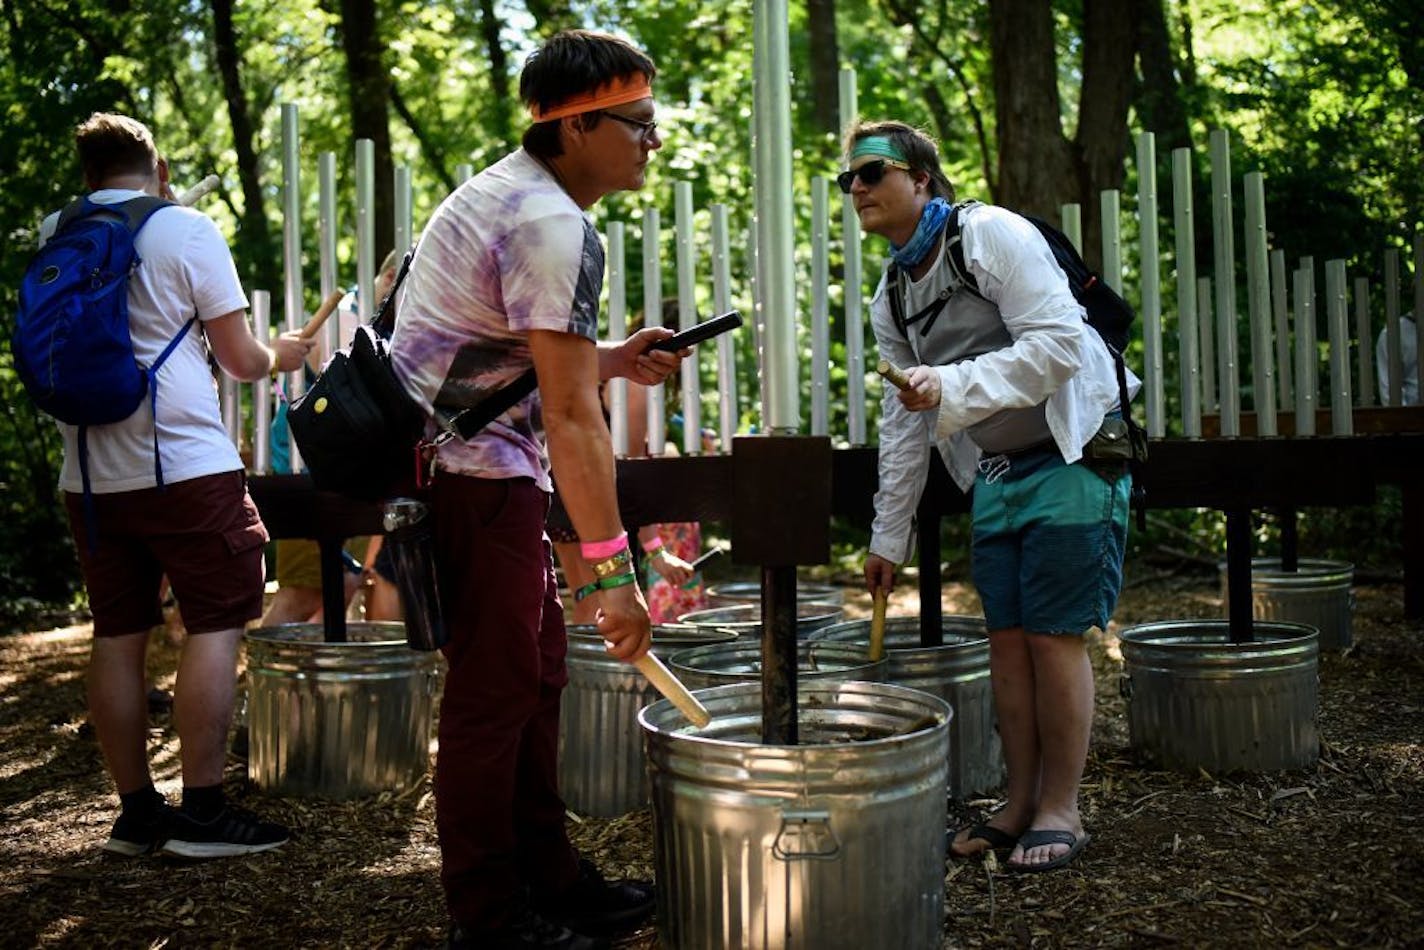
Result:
{"points": [[870, 173], [648, 127]]}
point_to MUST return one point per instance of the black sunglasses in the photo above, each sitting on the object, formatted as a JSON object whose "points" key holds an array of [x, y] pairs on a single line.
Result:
{"points": [[648, 128], [870, 173]]}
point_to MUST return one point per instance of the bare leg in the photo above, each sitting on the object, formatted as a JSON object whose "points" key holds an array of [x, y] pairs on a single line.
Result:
{"points": [[1064, 702], [383, 601], [293, 605], [118, 707], [1012, 675], [202, 704]]}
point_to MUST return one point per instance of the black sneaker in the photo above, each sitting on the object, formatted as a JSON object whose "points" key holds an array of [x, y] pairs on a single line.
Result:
{"points": [[233, 832], [527, 930], [599, 907], [134, 834]]}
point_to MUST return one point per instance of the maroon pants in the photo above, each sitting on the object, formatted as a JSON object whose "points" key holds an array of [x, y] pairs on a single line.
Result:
{"points": [[497, 807]]}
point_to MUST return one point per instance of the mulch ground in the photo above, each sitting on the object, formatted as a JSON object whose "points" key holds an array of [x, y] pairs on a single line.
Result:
{"points": [[1328, 856]]}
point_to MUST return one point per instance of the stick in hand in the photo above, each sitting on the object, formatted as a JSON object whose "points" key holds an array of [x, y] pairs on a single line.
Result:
{"points": [[325, 310], [892, 374], [877, 625], [190, 197], [667, 683]]}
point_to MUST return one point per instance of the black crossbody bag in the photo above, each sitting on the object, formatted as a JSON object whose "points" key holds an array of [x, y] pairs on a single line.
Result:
{"points": [[359, 431]]}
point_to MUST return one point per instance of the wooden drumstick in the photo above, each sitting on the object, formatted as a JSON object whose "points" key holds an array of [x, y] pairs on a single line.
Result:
{"points": [[877, 625], [893, 374], [325, 310], [190, 197], [667, 683]]}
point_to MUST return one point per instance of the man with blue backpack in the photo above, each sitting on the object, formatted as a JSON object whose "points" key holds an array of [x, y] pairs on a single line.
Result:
{"points": [[1026, 403], [118, 313]]}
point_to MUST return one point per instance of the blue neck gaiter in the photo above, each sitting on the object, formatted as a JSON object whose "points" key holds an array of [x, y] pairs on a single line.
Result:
{"points": [[932, 220]]}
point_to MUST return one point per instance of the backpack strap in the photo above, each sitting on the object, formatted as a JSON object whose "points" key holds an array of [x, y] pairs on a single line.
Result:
{"points": [[953, 250], [152, 373]]}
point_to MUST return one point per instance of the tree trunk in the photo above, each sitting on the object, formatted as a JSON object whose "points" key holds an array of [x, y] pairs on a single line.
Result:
{"points": [[501, 98], [1159, 94], [825, 65], [370, 92], [1037, 172], [254, 233], [1110, 31]]}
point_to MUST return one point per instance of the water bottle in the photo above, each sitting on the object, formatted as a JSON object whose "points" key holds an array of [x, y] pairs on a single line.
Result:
{"points": [[408, 533]]}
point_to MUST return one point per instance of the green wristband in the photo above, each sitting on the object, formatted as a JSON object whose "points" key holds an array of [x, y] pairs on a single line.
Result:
{"points": [[604, 583]]}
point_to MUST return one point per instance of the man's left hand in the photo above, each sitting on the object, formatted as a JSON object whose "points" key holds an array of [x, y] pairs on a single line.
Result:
{"points": [[649, 367]]}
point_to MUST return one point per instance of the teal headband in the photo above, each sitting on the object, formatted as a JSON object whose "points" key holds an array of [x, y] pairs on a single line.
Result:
{"points": [[879, 146]]}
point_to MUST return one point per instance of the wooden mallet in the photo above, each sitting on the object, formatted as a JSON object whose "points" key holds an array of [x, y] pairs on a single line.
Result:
{"points": [[893, 374], [190, 197], [877, 625], [328, 306], [667, 683]]}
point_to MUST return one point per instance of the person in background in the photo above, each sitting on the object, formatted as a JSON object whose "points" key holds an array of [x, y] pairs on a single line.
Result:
{"points": [[1011, 385], [1409, 362], [201, 528], [298, 597], [508, 274]]}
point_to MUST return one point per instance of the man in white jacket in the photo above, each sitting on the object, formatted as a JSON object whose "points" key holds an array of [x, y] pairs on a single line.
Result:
{"points": [[1011, 384]]}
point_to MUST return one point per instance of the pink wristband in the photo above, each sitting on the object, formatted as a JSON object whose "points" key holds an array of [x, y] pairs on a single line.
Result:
{"points": [[653, 545], [598, 550]]}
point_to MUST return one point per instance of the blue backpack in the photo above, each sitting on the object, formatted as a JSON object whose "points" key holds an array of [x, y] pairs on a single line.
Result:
{"points": [[71, 343]]}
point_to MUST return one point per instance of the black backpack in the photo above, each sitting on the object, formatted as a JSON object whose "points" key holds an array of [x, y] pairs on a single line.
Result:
{"points": [[1104, 310]]}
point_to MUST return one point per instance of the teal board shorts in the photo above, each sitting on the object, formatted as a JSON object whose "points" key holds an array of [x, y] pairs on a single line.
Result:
{"points": [[1048, 541]]}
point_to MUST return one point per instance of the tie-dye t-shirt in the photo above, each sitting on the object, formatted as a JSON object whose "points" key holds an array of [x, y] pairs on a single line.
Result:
{"points": [[507, 252]]}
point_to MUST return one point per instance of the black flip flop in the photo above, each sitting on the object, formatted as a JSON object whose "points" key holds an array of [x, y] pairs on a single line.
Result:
{"points": [[1000, 842], [1038, 837]]}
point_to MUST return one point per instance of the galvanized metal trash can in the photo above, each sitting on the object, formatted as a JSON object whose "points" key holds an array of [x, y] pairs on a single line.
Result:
{"points": [[745, 619], [837, 842], [601, 769], [1197, 700], [1317, 594], [720, 664], [749, 592], [958, 673], [338, 720]]}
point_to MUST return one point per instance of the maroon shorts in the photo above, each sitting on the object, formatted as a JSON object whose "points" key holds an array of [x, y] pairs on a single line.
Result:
{"points": [[204, 533]]}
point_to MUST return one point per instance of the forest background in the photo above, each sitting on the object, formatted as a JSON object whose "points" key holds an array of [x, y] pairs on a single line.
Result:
{"points": [[1035, 104]]}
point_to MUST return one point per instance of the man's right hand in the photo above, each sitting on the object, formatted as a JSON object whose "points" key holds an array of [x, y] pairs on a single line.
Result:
{"points": [[624, 623], [291, 349], [879, 574]]}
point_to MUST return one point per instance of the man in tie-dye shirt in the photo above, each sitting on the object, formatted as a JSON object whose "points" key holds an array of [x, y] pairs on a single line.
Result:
{"points": [[508, 275]]}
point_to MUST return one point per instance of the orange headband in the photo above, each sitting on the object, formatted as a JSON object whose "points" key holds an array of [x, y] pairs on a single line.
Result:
{"points": [[628, 88]]}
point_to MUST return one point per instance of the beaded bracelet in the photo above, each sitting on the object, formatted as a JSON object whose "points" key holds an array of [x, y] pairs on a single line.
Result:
{"points": [[604, 583]]}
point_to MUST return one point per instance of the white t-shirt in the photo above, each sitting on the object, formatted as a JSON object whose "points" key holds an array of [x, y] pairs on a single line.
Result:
{"points": [[185, 268]]}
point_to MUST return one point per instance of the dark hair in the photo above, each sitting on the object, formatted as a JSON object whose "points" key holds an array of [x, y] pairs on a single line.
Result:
{"points": [[110, 144], [572, 62], [917, 146]]}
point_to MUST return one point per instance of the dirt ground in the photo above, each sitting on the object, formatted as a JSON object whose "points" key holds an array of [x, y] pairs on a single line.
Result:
{"points": [[1324, 857]]}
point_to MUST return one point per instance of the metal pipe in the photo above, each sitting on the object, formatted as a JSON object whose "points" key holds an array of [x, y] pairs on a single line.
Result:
{"points": [[758, 327], [687, 318], [1110, 210], [1258, 292], [726, 346], [230, 397], [1311, 324], [1419, 314], [292, 311], [1188, 349], [1206, 325], [653, 317], [1280, 309], [1223, 243], [854, 279], [1304, 347], [326, 242], [820, 306], [1072, 216], [1364, 333], [262, 388], [1393, 341], [295, 380], [365, 228], [402, 202], [617, 331], [463, 173], [1336, 308], [1149, 262], [771, 94]]}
